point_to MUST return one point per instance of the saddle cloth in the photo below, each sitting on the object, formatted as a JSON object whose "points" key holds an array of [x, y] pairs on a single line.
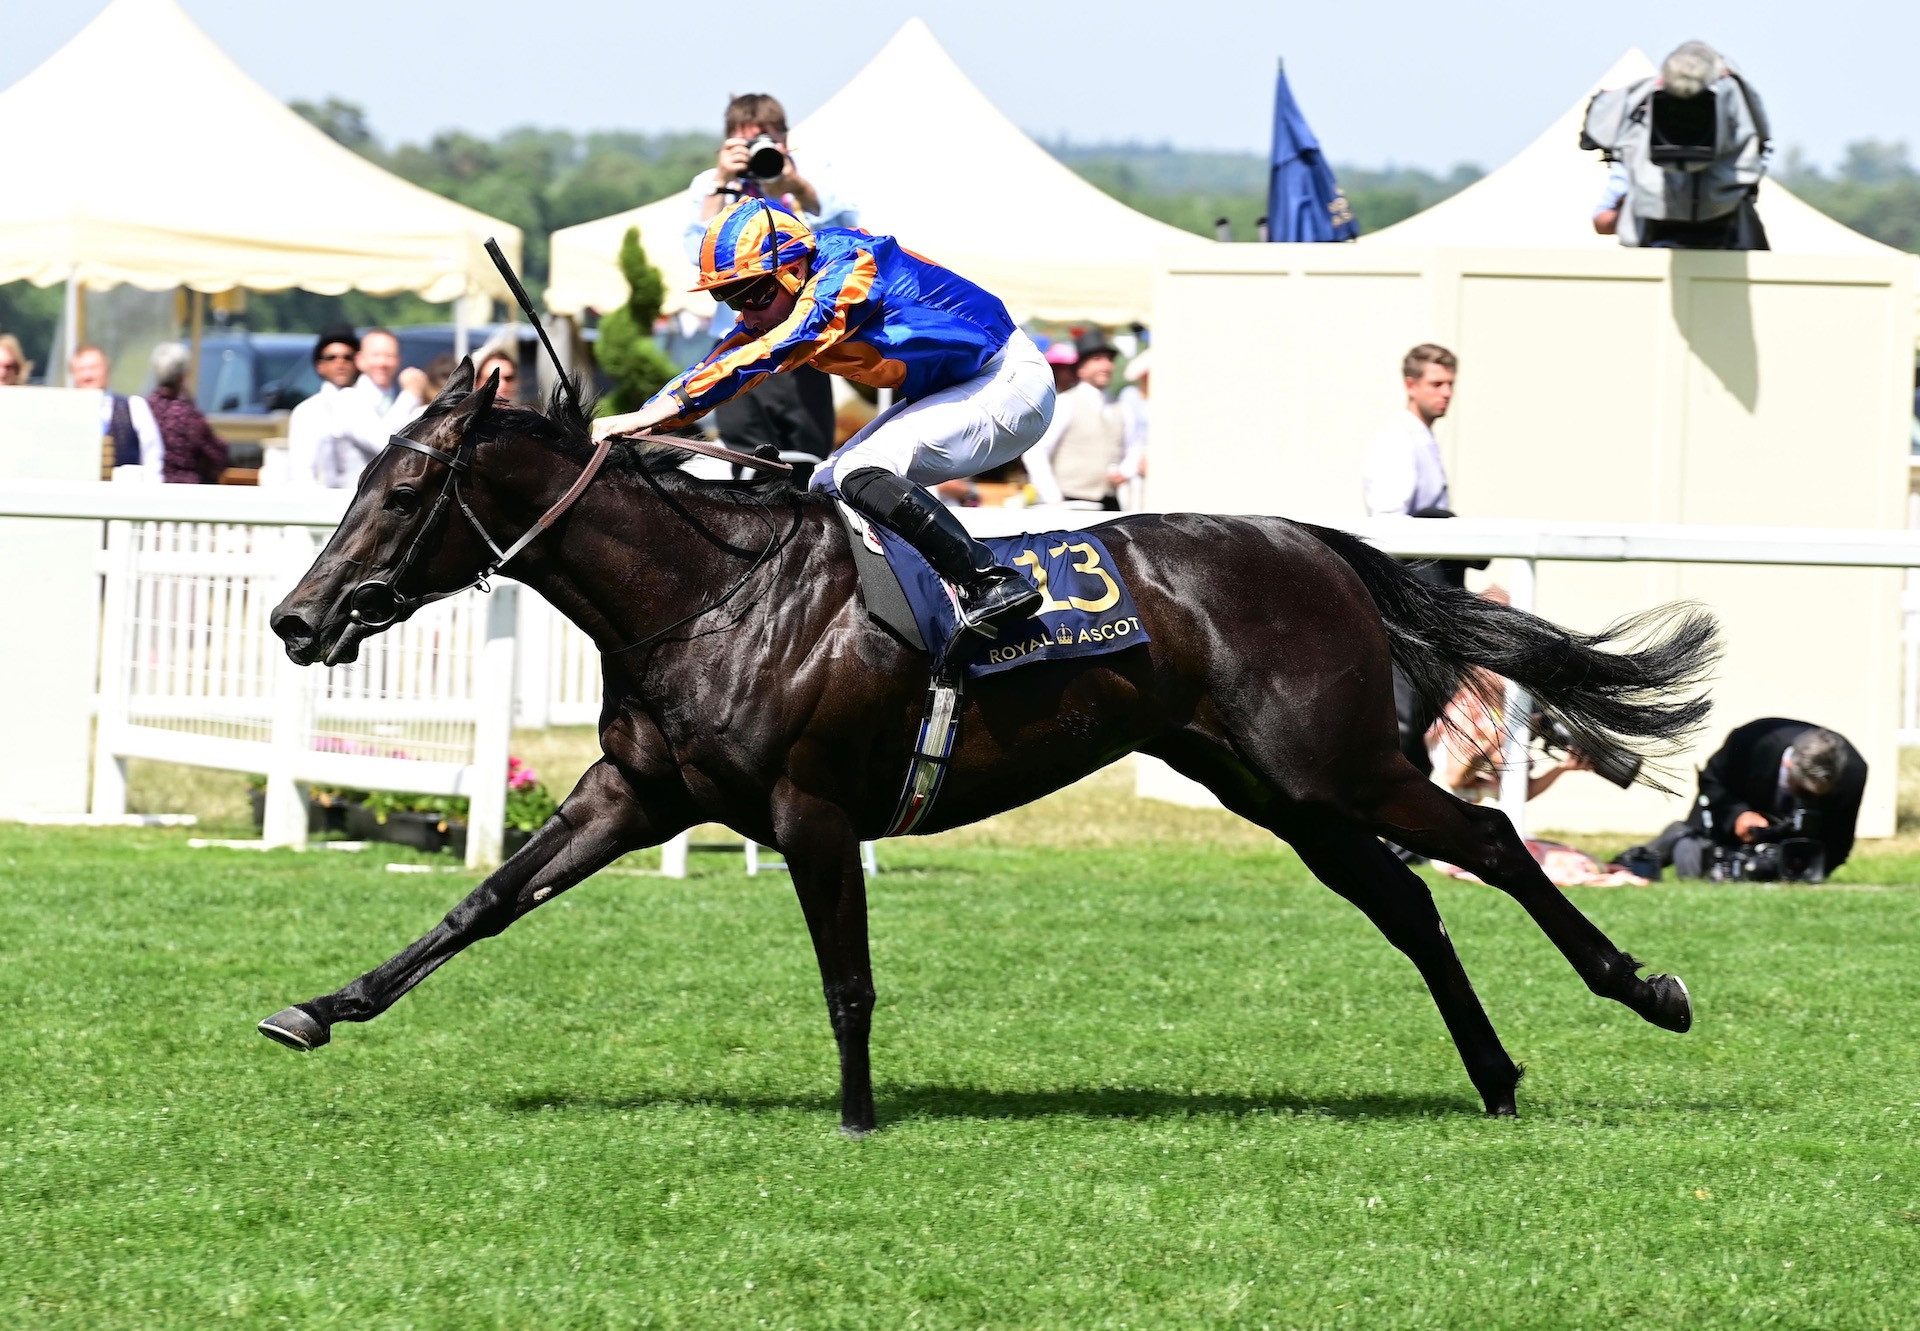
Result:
{"points": [[1088, 610]]}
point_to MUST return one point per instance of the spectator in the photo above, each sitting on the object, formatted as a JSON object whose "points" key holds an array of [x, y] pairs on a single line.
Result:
{"points": [[438, 371], [1766, 772], [1466, 745], [1062, 356], [794, 411], [14, 365], [1081, 455], [1405, 475], [321, 426], [128, 421], [395, 396], [193, 455], [500, 356]]}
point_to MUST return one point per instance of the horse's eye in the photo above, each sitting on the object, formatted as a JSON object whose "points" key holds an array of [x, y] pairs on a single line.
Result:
{"points": [[403, 503]]}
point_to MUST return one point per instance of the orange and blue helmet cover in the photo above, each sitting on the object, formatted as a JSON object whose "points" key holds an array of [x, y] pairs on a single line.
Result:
{"points": [[751, 238]]}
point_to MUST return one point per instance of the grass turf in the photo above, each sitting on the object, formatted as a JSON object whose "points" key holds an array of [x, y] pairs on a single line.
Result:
{"points": [[1170, 1082]]}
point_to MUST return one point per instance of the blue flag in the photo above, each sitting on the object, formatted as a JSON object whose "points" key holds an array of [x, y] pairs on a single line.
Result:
{"points": [[1304, 201]]}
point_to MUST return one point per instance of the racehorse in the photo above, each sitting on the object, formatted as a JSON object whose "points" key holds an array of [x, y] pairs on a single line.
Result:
{"points": [[746, 685]]}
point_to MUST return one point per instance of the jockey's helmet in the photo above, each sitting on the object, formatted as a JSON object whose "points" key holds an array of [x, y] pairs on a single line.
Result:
{"points": [[750, 239]]}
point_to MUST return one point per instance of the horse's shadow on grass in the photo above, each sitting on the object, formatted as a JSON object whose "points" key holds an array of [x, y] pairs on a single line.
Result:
{"points": [[907, 1103]]}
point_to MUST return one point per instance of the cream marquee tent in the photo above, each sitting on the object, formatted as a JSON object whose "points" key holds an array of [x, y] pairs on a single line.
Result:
{"points": [[927, 157], [93, 197], [1545, 197]]}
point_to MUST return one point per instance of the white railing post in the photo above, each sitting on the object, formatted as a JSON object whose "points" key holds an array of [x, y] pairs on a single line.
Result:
{"points": [[673, 856], [492, 731], [533, 664], [284, 819], [1519, 706], [109, 798]]}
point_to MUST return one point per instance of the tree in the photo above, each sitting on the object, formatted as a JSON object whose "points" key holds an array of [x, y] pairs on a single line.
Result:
{"points": [[343, 122], [627, 351]]}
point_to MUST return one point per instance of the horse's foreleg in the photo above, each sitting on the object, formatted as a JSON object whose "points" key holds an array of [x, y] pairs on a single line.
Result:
{"points": [[603, 819], [1422, 817], [823, 854], [1354, 864]]}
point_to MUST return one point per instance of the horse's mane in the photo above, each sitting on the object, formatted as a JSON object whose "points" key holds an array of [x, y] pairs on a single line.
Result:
{"points": [[567, 429]]}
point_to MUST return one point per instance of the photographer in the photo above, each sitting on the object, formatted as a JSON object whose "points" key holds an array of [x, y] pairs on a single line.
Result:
{"points": [[1779, 800], [1686, 151], [791, 412]]}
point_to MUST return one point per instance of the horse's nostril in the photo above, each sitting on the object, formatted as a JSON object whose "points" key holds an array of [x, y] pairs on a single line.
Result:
{"points": [[290, 628]]}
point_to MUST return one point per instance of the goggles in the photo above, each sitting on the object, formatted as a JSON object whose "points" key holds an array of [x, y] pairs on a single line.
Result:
{"points": [[744, 297]]}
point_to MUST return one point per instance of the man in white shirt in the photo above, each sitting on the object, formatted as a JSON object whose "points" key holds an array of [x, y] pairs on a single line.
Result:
{"points": [[334, 434], [1083, 455], [128, 421], [394, 395], [1404, 473], [312, 428]]}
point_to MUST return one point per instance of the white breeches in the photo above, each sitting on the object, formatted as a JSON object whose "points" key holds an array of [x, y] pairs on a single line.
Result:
{"points": [[960, 431]]}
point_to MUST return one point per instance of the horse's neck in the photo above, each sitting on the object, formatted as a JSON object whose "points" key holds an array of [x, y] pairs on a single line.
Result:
{"points": [[633, 565]]}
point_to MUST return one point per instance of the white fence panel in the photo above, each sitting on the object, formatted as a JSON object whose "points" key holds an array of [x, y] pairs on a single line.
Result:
{"points": [[192, 673]]}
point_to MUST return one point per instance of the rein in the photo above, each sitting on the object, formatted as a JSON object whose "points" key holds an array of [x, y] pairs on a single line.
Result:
{"points": [[376, 602]]}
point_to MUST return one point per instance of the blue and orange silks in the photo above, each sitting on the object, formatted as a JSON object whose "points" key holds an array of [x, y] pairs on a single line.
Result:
{"points": [[871, 311]]}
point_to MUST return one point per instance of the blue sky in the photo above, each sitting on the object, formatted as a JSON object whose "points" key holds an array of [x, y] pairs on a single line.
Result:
{"points": [[1388, 82]]}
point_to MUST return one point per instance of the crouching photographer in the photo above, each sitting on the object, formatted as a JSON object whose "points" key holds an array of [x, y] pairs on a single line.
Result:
{"points": [[1778, 802]]}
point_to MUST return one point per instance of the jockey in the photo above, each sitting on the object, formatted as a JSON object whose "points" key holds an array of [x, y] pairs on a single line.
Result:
{"points": [[971, 391]]}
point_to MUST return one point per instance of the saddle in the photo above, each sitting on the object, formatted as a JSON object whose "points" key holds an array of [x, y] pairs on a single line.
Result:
{"points": [[1086, 611]]}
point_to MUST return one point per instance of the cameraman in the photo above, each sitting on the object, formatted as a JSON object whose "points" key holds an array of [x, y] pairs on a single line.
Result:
{"points": [[791, 411], [1686, 152], [1768, 776]]}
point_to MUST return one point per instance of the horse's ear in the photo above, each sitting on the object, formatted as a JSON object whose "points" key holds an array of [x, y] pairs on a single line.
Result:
{"points": [[473, 405], [460, 382]]}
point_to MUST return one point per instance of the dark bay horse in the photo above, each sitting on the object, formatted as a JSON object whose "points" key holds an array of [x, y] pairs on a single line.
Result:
{"points": [[746, 685]]}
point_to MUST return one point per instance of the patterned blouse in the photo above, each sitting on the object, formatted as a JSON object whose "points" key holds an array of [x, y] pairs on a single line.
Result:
{"points": [[194, 455]]}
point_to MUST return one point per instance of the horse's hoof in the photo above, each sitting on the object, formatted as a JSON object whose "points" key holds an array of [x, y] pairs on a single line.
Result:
{"points": [[854, 1133], [296, 1028], [1671, 1007]]}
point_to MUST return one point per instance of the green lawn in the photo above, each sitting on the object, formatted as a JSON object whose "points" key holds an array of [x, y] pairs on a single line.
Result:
{"points": [[1168, 1081]]}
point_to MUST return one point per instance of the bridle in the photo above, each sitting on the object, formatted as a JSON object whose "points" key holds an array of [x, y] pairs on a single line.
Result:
{"points": [[376, 602]]}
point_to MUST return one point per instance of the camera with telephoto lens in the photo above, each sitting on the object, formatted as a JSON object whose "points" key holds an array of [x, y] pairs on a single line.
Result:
{"points": [[766, 160], [1620, 768], [1786, 850]]}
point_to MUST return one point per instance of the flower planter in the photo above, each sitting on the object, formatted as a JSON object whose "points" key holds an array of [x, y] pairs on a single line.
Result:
{"points": [[430, 832], [320, 817]]}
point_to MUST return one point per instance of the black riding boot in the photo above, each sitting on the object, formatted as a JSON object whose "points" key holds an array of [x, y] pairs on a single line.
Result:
{"points": [[991, 595]]}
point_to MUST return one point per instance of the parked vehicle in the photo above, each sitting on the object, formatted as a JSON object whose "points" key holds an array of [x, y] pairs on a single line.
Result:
{"points": [[244, 373], [251, 374]]}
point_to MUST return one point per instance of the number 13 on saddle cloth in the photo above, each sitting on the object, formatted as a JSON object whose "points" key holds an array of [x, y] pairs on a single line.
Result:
{"points": [[1085, 609]]}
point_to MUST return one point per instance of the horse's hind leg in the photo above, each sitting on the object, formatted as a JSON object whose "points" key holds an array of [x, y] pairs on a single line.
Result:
{"points": [[600, 821], [1419, 815], [1342, 854], [1353, 863]]}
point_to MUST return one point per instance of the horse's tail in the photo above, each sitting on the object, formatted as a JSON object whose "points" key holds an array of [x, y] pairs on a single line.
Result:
{"points": [[1611, 695]]}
